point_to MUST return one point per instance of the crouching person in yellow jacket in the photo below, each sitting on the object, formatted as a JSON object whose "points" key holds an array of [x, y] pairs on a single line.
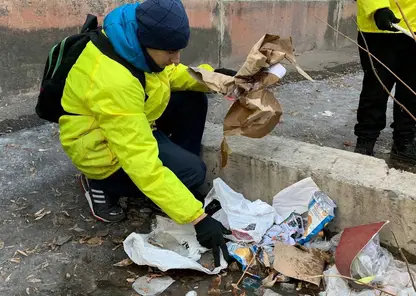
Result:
{"points": [[396, 51], [135, 142]]}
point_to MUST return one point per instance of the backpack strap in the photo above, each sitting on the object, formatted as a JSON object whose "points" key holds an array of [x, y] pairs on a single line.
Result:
{"points": [[91, 23], [104, 45]]}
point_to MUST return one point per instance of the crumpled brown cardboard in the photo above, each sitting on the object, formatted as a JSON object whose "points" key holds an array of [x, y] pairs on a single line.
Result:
{"points": [[255, 111], [305, 265]]}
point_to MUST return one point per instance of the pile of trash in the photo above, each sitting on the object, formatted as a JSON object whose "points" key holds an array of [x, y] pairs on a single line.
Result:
{"points": [[279, 243]]}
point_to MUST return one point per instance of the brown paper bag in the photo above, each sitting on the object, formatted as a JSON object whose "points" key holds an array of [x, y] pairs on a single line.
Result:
{"points": [[253, 116], [256, 111]]}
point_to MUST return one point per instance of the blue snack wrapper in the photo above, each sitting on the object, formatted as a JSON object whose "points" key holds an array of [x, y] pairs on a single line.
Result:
{"points": [[321, 211]]}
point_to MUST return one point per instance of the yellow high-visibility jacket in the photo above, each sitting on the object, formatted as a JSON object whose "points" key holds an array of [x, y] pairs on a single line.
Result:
{"points": [[367, 8], [114, 128]]}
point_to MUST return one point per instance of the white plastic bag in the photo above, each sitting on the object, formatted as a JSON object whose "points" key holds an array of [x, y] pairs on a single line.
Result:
{"points": [[294, 198], [142, 252], [151, 287], [396, 281], [248, 220], [373, 260]]}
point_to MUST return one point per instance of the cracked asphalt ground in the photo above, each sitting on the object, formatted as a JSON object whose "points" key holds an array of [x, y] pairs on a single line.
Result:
{"points": [[49, 243]]}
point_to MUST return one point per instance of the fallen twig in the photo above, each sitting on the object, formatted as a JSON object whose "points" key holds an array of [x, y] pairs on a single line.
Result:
{"points": [[405, 260], [374, 57], [246, 270], [405, 20], [403, 30], [381, 82], [351, 279]]}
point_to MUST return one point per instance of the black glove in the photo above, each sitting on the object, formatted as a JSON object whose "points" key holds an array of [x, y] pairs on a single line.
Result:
{"points": [[209, 233], [225, 71], [384, 19]]}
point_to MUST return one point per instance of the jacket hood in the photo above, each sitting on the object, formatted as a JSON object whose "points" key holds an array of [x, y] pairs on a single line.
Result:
{"points": [[121, 27]]}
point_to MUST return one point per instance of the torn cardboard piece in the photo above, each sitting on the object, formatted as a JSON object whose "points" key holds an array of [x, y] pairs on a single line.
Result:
{"points": [[298, 264], [256, 111]]}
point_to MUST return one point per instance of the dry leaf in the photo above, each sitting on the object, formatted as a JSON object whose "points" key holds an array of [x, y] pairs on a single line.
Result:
{"points": [[214, 289], [38, 213], [76, 228], [63, 240], [15, 260], [41, 213], [66, 213], [42, 266], [123, 263], [102, 233], [95, 241], [84, 239], [235, 290], [271, 279], [8, 278], [1, 245], [233, 267], [34, 250], [116, 247], [214, 292], [150, 277], [225, 152], [22, 253], [34, 281], [216, 282]]}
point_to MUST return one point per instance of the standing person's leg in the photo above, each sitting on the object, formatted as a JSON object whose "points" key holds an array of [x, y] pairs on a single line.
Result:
{"points": [[404, 146], [371, 113], [103, 195], [184, 119]]}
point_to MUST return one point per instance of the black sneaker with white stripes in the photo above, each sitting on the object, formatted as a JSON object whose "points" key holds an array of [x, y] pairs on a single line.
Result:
{"points": [[102, 206]]}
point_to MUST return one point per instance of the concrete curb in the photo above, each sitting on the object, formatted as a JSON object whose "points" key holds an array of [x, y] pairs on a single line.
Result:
{"points": [[364, 188]]}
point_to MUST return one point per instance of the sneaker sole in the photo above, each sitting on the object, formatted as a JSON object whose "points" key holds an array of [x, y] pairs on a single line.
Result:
{"points": [[82, 181], [85, 188], [88, 197]]}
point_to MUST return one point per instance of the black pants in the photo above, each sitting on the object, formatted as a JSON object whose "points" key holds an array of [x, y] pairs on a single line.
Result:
{"points": [[179, 135], [397, 52]]}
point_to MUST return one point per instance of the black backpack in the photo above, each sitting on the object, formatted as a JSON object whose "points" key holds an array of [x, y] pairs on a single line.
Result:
{"points": [[60, 61]]}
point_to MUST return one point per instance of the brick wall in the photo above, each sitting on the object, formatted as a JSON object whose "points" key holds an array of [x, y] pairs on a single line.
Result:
{"points": [[223, 31]]}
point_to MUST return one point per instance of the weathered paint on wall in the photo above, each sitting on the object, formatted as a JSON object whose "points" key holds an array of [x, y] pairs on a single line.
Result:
{"points": [[223, 31]]}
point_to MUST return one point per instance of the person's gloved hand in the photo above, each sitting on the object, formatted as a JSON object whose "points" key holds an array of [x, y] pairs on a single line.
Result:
{"points": [[225, 71], [209, 233], [384, 19]]}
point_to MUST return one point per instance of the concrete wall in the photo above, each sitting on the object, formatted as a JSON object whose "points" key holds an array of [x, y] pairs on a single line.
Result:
{"points": [[223, 31]]}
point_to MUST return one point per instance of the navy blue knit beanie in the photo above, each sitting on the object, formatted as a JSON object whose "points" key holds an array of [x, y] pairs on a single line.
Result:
{"points": [[163, 24]]}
